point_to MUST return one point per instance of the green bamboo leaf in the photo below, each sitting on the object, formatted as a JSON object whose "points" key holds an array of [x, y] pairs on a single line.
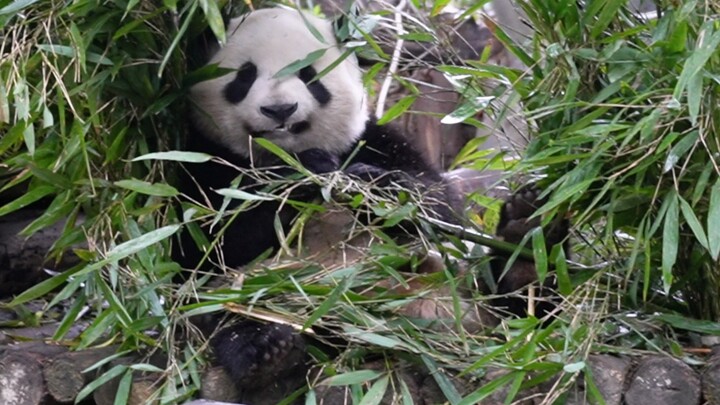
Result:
{"points": [[4, 111], [29, 137], [135, 245], [561, 269], [177, 156], [387, 342], [71, 316], [119, 252], [607, 14], [68, 51], [438, 7], [713, 224], [330, 301], [695, 325], [351, 378], [178, 35], [279, 152], [539, 254], [694, 223], [15, 6], [242, 195], [28, 198], [107, 376], [332, 65], [400, 107], [671, 241], [441, 379], [376, 393], [694, 96], [679, 150], [295, 66], [48, 119], [574, 367], [123, 391], [214, 18], [143, 187], [708, 42], [78, 46], [486, 390], [115, 303], [469, 108], [595, 394]]}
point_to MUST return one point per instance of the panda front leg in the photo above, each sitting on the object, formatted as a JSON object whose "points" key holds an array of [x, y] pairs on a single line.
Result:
{"points": [[319, 161], [516, 222], [266, 362], [370, 173]]}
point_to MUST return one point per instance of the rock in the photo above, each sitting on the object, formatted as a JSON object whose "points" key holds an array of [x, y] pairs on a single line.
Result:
{"points": [[609, 374], [711, 378], [663, 381]]}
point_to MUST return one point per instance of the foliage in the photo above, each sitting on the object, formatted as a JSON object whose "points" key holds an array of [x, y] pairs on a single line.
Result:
{"points": [[625, 109], [85, 87], [626, 121]]}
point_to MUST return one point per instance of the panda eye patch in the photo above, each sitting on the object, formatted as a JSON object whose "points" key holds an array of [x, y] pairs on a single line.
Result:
{"points": [[236, 90], [317, 89]]}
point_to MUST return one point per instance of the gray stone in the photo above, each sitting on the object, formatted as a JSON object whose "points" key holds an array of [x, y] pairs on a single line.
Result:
{"points": [[663, 381]]}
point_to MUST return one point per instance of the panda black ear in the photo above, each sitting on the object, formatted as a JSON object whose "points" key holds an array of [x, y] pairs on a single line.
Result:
{"points": [[342, 22], [201, 47], [341, 25]]}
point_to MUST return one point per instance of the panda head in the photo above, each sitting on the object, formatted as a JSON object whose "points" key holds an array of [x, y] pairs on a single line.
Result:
{"points": [[293, 111]]}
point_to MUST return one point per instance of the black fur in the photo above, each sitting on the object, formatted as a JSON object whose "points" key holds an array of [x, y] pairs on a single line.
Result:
{"points": [[249, 349], [385, 153], [514, 224], [237, 90], [316, 88]]}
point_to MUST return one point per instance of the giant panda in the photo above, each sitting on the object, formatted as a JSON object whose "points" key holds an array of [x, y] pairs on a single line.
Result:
{"points": [[324, 123]]}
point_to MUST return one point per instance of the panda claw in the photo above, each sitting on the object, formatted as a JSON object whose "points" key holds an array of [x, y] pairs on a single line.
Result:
{"points": [[251, 352]]}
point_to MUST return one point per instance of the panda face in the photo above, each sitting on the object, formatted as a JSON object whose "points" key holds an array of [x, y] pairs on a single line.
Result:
{"points": [[293, 111]]}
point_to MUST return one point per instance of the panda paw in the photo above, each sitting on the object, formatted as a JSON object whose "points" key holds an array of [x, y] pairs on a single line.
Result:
{"points": [[319, 161], [516, 222], [369, 173], [254, 353]]}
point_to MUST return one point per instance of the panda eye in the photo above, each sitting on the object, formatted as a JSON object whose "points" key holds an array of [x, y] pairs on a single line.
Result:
{"points": [[317, 89], [306, 74], [236, 90]]}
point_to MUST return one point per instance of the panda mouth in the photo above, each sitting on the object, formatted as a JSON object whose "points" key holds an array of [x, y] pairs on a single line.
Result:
{"points": [[284, 129]]}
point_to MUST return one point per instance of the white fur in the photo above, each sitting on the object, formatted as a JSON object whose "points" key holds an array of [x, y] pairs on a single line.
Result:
{"points": [[272, 39]]}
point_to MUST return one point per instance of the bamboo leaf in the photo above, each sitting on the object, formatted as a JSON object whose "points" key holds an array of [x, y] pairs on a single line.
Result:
{"points": [[441, 379], [376, 393], [679, 150], [15, 6], [713, 225], [242, 195], [143, 187], [214, 18], [694, 223], [123, 391], [177, 156], [295, 66], [28, 198], [351, 378], [330, 301], [671, 241], [396, 110], [707, 45], [539, 254], [107, 376]]}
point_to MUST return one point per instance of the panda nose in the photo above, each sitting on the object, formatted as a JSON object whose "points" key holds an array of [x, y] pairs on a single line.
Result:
{"points": [[279, 112]]}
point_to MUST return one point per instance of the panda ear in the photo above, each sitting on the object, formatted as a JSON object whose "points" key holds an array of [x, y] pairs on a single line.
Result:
{"points": [[343, 22], [200, 48], [341, 26]]}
